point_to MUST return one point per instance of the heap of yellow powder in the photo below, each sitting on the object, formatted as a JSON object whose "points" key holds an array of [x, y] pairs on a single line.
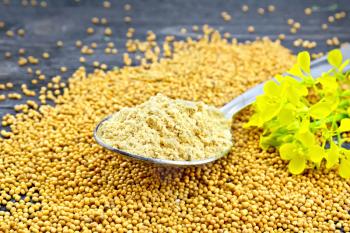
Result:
{"points": [[169, 129]]}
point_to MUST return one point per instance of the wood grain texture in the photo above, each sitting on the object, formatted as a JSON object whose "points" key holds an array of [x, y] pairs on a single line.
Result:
{"points": [[67, 20]]}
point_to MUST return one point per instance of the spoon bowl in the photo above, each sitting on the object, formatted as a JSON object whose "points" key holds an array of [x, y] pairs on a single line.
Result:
{"points": [[160, 162]]}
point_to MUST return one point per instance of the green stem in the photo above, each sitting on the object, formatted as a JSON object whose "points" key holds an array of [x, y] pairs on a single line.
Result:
{"points": [[329, 119]]}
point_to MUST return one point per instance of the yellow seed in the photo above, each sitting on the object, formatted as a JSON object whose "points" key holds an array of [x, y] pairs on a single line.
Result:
{"points": [[290, 21], [33, 60], [41, 77], [183, 30], [90, 30], [78, 43], [8, 55], [59, 43], [108, 31], [297, 25], [336, 41], [103, 66], [127, 19], [82, 59], [245, 8], [21, 51], [63, 69], [251, 29], [22, 61], [293, 30], [2, 24], [9, 85], [21, 32], [95, 20], [127, 7], [331, 19], [114, 51], [226, 16], [329, 42], [127, 59], [324, 26], [110, 45], [93, 45], [104, 21], [308, 11], [96, 64], [107, 4], [271, 8], [10, 33], [297, 42], [281, 36], [261, 11], [108, 50], [46, 55], [43, 4]]}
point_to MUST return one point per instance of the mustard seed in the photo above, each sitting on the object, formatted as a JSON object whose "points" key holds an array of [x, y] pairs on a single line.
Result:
{"points": [[261, 11], [107, 4], [95, 20], [10, 33], [59, 43], [308, 11], [46, 55], [251, 29], [108, 31], [127, 7], [282, 36], [127, 19], [290, 21], [8, 55], [78, 43], [21, 32], [104, 21], [271, 8], [90, 30], [245, 8]]}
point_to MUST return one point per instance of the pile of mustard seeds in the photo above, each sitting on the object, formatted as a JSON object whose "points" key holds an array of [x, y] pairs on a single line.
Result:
{"points": [[55, 178], [169, 129]]}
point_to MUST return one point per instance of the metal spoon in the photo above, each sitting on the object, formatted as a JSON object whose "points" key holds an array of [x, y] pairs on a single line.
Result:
{"points": [[229, 110]]}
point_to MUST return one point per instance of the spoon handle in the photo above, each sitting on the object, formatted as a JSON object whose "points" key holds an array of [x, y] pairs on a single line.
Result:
{"points": [[318, 66]]}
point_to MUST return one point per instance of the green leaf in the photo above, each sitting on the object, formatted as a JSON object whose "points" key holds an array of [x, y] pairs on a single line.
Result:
{"points": [[316, 154], [304, 61], [335, 58], [332, 155], [344, 168], [289, 151], [344, 125], [297, 165]]}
